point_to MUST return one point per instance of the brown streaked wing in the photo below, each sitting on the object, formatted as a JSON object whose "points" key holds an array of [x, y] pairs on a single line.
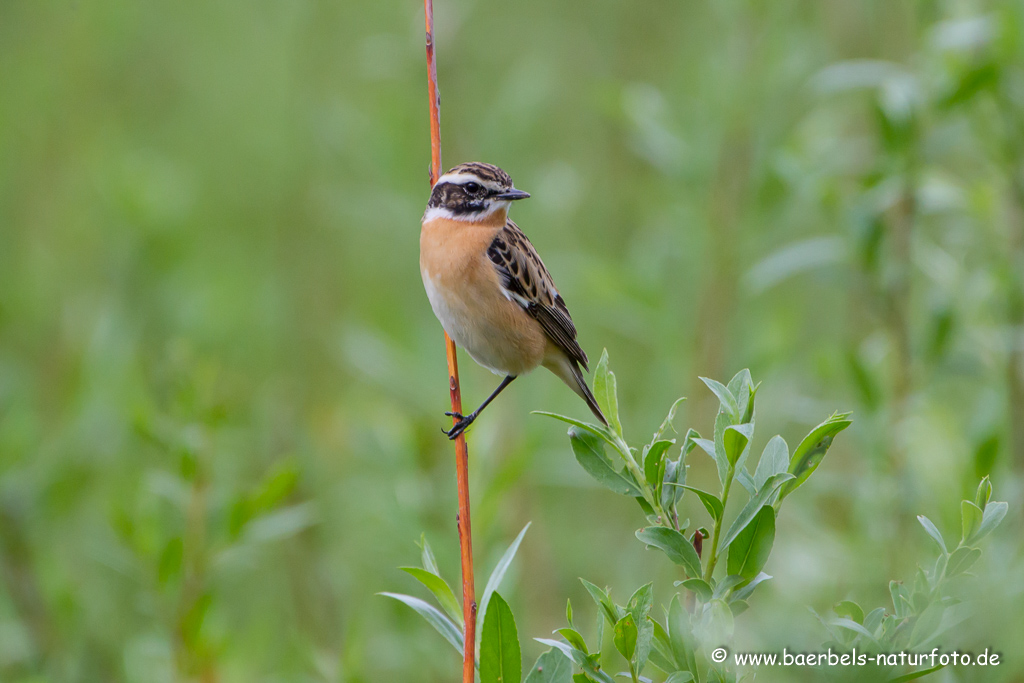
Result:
{"points": [[524, 276]]}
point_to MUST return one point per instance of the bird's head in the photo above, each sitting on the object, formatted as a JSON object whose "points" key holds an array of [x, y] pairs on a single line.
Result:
{"points": [[472, 192]]}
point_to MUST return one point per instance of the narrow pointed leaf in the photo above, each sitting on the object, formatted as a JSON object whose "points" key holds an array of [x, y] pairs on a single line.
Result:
{"points": [[625, 634], [753, 506], [427, 556], [913, 675], [933, 532], [774, 459], [725, 397], [961, 559], [551, 667], [439, 587], [499, 573], [674, 545], [606, 393], [990, 519], [501, 660], [753, 544], [589, 452], [809, 454], [970, 515], [603, 601], [434, 617], [735, 440], [711, 502]]}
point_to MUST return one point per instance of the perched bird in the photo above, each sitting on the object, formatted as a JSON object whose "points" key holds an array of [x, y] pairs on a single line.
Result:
{"points": [[489, 288]]}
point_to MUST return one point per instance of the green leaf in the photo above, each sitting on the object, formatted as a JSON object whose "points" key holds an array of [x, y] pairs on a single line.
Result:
{"points": [[624, 637], [500, 658], [916, 674], [640, 603], [551, 667], [654, 463], [961, 559], [568, 612], [596, 430], [440, 622], [725, 398], [753, 544], [574, 638], [809, 454], [605, 392], [711, 502], [990, 519], [689, 441], [674, 545], [723, 587], [746, 401], [774, 459], [589, 452], [661, 640], [494, 580], [747, 481], [721, 460], [735, 441], [439, 587], [740, 387], [853, 626], [699, 586], [680, 677], [639, 606], [673, 481], [667, 422], [681, 635], [744, 592], [706, 445], [603, 601], [427, 556], [850, 610], [970, 516], [933, 532], [984, 493], [584, 661], [753, 506], [900, 599]]}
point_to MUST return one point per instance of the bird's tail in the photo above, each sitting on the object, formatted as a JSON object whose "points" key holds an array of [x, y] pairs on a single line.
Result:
{"points": [[569, 372]]}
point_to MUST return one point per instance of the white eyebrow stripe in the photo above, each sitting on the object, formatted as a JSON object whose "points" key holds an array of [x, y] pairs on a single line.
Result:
{"points": [[463, 178]]}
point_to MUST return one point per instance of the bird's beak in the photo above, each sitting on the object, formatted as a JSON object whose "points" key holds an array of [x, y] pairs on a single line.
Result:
{"points": [[511, 195]]}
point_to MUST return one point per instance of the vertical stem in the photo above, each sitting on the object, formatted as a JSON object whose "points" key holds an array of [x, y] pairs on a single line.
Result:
{"points": [[461, 452], [713, 557]]}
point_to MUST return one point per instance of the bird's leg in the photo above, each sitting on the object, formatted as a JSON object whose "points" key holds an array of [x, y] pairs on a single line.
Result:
{"points": [[465, 421]]}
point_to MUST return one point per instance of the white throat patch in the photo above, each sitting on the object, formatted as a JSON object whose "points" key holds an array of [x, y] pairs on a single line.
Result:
{"points": [[493, 207]]}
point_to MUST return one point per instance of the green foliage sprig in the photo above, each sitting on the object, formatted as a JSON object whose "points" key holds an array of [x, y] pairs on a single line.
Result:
{"points": [[923, 610], [701, 615], [658, 483]]}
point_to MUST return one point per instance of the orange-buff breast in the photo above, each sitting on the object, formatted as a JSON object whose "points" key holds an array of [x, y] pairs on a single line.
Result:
{"points": [[466, 294]]}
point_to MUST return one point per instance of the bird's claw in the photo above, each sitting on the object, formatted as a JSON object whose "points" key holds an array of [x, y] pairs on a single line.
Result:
{"points": [[460, 426], [457, 416]]}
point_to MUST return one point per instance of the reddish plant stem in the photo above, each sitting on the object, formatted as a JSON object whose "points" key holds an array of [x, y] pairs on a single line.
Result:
{"points": [[461, 452]]}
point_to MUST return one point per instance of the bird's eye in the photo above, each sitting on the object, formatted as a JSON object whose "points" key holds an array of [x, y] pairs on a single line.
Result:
{"points": [[472, 188]]}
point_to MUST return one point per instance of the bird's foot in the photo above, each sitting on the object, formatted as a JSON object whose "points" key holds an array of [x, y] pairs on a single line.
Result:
{"points": [[463, 421]]}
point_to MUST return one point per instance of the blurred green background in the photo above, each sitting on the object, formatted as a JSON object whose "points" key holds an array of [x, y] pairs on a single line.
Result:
{"points": [[221, 384]]}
